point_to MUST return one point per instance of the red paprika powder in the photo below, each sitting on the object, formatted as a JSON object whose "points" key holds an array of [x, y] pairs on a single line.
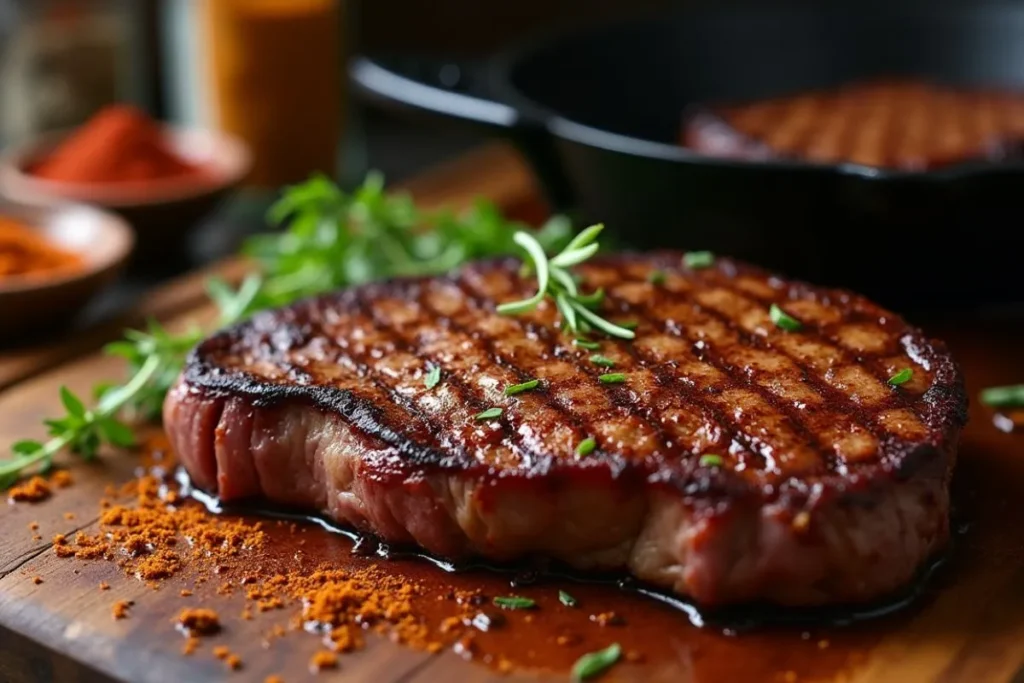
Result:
{"points": [[118, 144]]}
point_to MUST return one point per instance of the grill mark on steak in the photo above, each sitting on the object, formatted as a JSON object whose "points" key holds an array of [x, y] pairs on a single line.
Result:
{"points": [[555, 344], [471, 434], [720, 362], [366, 417], [806, 503], [487, 343], [894, 398], [822, 387]]}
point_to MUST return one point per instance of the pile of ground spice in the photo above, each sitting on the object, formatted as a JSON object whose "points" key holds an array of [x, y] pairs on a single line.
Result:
{"points": [[154, 533], [120, 143], [27, 252], [120, 609], [198, 622], [36, 489]]}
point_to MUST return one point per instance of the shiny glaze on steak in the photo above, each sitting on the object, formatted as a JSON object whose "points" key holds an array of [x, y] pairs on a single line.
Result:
{"points": [[894, 124], [834, 484]]}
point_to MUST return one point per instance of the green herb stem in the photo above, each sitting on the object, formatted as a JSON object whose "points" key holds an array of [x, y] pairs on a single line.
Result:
{"points": [[1004, 397], [488, 414], [595, 663], [711, 460], [81, 429], [514, 602], [656, 277], [576, 308], [696, 260], [901, 377], [520, 388], [783, 320]]}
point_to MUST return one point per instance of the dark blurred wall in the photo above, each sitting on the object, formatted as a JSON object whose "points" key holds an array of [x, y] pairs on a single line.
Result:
{"points": [[468, 27]]}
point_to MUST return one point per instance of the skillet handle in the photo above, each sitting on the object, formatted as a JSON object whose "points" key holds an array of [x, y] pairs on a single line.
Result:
{"points": [[458, 90]]}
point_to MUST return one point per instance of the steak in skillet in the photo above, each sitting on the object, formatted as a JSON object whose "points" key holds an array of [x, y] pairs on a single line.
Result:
{"points": [[832, 485], [902, 125]]}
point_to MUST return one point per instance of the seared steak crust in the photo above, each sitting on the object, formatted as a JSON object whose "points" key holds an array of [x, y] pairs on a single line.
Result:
{"points": [[833, 487]]}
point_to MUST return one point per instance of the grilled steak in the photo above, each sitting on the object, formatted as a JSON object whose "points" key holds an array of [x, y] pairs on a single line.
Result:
{"points": [[831, 485], [901, 125]]}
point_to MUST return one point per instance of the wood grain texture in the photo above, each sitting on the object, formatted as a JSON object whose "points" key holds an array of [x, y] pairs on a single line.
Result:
{"points": [[968, 626]]}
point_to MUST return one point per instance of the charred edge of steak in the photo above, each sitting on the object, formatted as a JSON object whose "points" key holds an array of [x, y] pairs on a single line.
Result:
{"points": [[943, 406]]}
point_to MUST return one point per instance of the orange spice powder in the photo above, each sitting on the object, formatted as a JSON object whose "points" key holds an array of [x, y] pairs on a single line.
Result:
{"points": [[153, 534], [120, 609], [324, 659], [198, 622], [26, 252], [31, 491]]}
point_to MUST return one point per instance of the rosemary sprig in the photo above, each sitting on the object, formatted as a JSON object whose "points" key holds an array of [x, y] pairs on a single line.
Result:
{"points": [[555, 281], [329, 239]]}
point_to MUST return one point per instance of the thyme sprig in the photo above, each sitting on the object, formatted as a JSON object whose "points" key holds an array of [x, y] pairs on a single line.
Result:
{"points": [[555, 281]]}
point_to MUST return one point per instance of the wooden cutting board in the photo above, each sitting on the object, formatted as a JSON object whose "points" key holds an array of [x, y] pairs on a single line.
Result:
{"points": [[968, 625]]}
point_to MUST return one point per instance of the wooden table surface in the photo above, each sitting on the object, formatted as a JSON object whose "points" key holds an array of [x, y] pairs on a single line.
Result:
{"points": [[969, 627]]}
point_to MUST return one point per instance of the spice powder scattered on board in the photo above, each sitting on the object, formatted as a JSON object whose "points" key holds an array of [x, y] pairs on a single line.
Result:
{"points": [[153, 533]]}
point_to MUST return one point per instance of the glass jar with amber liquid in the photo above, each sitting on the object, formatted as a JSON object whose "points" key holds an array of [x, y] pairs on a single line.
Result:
{"points": [[274, 70]]}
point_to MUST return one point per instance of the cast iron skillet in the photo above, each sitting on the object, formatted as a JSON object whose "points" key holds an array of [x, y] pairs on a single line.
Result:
{"points": [[597, 111]]}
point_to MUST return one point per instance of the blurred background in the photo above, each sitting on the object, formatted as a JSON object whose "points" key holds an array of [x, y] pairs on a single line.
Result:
{"points": [[234, 99], [270, 72]]}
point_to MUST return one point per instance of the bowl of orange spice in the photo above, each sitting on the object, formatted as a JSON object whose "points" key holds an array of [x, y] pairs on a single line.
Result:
{"points": [[53, 259], [161, 179]]}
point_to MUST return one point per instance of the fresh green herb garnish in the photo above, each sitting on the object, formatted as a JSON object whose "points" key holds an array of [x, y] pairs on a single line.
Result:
{"points": [[603, 361], [554, 280], [332, 238], [514, 602], [1004, 397], [698, 259], [81, 430], [336, 238], [586, 447], [586, 344], [612, 378], [901, 377], [629, 324], [520, 388], [783, 320], [566, 599], [711, 460], [488, 414], [595, 663], [656, 277], [433, 377]]}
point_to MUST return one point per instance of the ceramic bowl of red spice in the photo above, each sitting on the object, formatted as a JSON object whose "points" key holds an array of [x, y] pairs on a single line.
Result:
{"points": [[163, 180]]}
